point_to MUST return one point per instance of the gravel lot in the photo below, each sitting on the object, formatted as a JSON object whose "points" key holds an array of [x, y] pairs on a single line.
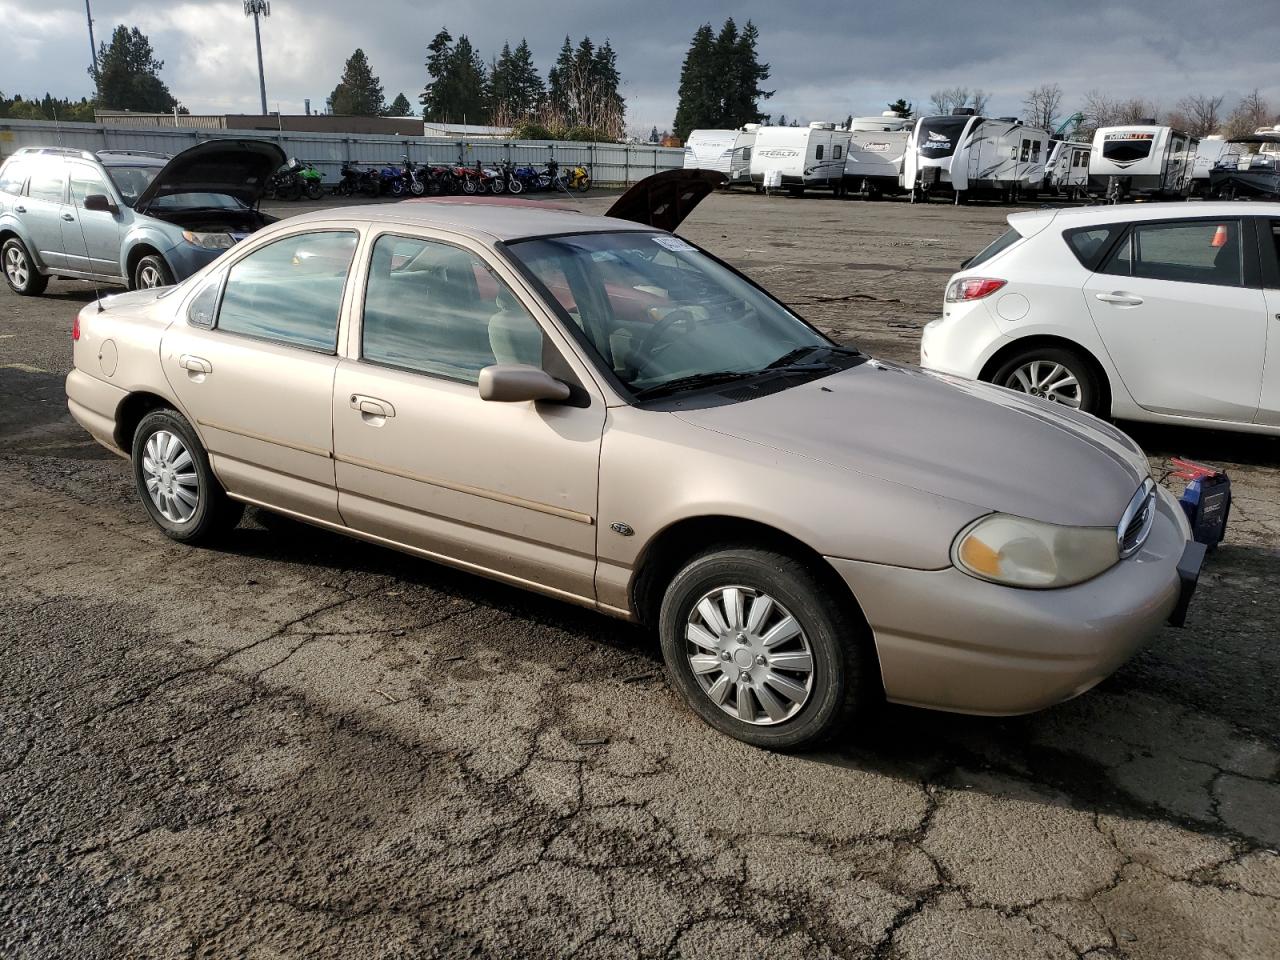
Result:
{"points": [[302, 745]]}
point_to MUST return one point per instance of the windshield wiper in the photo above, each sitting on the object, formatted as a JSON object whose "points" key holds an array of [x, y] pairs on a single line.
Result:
{"points": [[694, 381], [793, 357]]}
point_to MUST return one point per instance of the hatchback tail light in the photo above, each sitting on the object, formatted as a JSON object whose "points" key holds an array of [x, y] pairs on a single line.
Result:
{"points": [[75, 328], [972, 288]]}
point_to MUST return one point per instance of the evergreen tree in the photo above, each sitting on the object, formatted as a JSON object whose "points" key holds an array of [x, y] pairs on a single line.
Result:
{"points": [[559, 78], [743, 92], [902, 108], [515, 89], [654, 136], [129, 74], [582, 91], [399, 107], [457, 88], [435, 97], [698, 106], [359, 92]]}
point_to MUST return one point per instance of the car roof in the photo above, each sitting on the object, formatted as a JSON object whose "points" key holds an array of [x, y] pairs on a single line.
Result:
{"points": [[503, 220], [1036, 220]]}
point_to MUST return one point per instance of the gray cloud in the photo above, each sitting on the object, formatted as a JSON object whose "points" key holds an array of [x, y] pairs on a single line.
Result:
{"points": [[839, 58]]}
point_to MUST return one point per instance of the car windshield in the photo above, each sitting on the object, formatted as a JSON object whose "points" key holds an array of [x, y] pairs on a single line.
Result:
{"points": [[132, 180], [664, 317]]}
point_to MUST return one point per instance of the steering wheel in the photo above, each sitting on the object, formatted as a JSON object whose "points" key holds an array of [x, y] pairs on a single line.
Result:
{"points": [[649, 347]]}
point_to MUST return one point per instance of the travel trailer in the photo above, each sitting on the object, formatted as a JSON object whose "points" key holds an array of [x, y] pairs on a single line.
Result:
{"points": [[1143, 160], [728, 151], [873, 163], [1254, 174], [971, 156], [798, 158], [1067, 172]]}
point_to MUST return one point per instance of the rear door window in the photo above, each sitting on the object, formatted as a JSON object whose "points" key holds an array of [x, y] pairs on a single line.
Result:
{"points": [[48, 182], [1201, 251], [12, 177], [290, 291]]}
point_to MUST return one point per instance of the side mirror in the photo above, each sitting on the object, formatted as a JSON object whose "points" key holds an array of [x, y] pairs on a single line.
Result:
{"points": [[101, 203], [518, 383]]}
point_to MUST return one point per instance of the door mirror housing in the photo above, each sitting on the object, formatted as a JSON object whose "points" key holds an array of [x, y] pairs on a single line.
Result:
{"points": [[101, 203], [519, 383]]}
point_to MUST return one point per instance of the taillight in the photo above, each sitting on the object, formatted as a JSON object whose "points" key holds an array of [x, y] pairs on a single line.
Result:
{"points": [[972, 288], [75, 328]]}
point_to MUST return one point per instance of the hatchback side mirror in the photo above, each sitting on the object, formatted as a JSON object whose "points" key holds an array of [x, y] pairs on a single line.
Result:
{"points": [[518, 383], [101, 203]]}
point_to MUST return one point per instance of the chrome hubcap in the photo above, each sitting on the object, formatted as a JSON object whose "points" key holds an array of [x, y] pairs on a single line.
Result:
{"points": [[148, 277], [170, 476], [1048, 380], [15, 267], [749, 655]]}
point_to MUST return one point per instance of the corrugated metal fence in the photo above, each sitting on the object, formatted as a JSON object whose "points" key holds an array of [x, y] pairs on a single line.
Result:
{"points": [[608, 163]]}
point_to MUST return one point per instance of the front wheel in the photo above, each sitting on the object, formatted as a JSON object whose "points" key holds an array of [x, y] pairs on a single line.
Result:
{"points": [[515, 186], [152, 271], [497, 185], [417, 188], [469, 187], [175, 482], [762, 649], [1055, 374]]}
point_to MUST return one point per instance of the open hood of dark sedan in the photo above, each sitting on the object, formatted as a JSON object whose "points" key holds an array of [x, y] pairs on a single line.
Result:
{"points": [[234, 168], [665, 199]]}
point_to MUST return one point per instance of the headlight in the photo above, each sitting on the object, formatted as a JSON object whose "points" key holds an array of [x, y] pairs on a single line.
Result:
{"points": [[210, 241], [1028, 553]]}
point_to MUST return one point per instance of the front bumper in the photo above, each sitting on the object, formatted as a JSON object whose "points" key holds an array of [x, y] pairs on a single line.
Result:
{"points": [[948, 641]]}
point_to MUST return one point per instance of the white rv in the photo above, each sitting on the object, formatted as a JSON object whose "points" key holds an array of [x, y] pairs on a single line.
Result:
{"points": [[968, 156], [1143, 160], [728, 151], [797, 158], [873, 163], [1067, 172]]}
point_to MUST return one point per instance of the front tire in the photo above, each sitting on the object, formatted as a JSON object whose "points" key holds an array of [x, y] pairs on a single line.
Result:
{"points": [[177, 487], [1057, 374], [150, 272], [20, 271], [759, 647]]}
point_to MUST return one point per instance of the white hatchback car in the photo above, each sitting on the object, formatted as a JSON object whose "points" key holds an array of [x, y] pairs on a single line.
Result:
{"points": [[1165, 312]]}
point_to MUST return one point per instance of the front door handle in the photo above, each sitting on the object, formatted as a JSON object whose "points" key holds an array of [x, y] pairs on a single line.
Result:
{"points": [[68, 217], [1120, 299], [19, 209], [194, 364], [371, 407]]}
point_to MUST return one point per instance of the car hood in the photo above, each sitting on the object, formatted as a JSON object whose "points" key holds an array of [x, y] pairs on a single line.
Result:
{"points": [[966, 441], [235, 168]]}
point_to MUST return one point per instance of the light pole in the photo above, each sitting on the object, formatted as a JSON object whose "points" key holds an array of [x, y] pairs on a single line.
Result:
{"points": [[256, 9]]}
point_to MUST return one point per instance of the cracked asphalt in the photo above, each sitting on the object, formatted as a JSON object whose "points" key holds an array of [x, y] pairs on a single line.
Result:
{"points": [[301, 745]]}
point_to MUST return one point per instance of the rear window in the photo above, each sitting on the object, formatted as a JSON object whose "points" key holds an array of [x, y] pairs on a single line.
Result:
{"points": [[12, 176], [997, 246]]}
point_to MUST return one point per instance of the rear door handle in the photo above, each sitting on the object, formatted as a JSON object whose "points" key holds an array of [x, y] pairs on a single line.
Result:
{"points": [[371, 406], [194, 364], [1119, 299], [68, 217]]}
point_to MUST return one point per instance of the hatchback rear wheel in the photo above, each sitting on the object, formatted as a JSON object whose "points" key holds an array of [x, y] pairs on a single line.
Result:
{"points": [[762, 650], [175, 482], [1055, 374]]}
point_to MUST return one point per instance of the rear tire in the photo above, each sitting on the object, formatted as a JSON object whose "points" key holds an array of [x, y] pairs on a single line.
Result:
{"points": [[170, 471], [740, 684], [20, 271], [1057, 374]]}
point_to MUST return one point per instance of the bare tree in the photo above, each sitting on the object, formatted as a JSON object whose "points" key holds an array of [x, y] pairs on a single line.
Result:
{"points": [[1042, 105], [946, 100], [1199, 114], [978, 100], [1251, 113]]}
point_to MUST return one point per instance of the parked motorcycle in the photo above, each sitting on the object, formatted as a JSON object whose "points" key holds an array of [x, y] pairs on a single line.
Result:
{"points": [[351, 182], [524, 179], [495, 180], [578, 179], [391, 180], [312, 180], [286, 183], [413, 183]]}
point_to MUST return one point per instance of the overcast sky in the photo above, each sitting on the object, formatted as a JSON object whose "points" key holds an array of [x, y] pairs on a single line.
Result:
{"points": [[835, 58]]}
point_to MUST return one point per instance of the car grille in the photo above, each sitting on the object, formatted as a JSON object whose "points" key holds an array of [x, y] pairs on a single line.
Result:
{"points": [[1138, 517]]}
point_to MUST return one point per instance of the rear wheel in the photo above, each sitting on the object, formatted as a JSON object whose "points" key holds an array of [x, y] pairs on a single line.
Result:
{"points": [[315, 190], [760, 650], [1056, 374], [152, 271], [584, 183], [175, 482], [19, 272]]}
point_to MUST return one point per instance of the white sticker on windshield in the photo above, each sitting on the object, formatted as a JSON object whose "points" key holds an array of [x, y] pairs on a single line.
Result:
{"points": [[674, 243]]}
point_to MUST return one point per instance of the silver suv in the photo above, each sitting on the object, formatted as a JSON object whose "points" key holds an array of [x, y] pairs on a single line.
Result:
{"points": [[128, 217]]}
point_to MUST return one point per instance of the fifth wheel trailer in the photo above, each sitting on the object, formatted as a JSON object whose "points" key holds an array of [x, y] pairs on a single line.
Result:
{"points": [[873, 163], [797, 158], [970, 156], [1144, 160]]}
